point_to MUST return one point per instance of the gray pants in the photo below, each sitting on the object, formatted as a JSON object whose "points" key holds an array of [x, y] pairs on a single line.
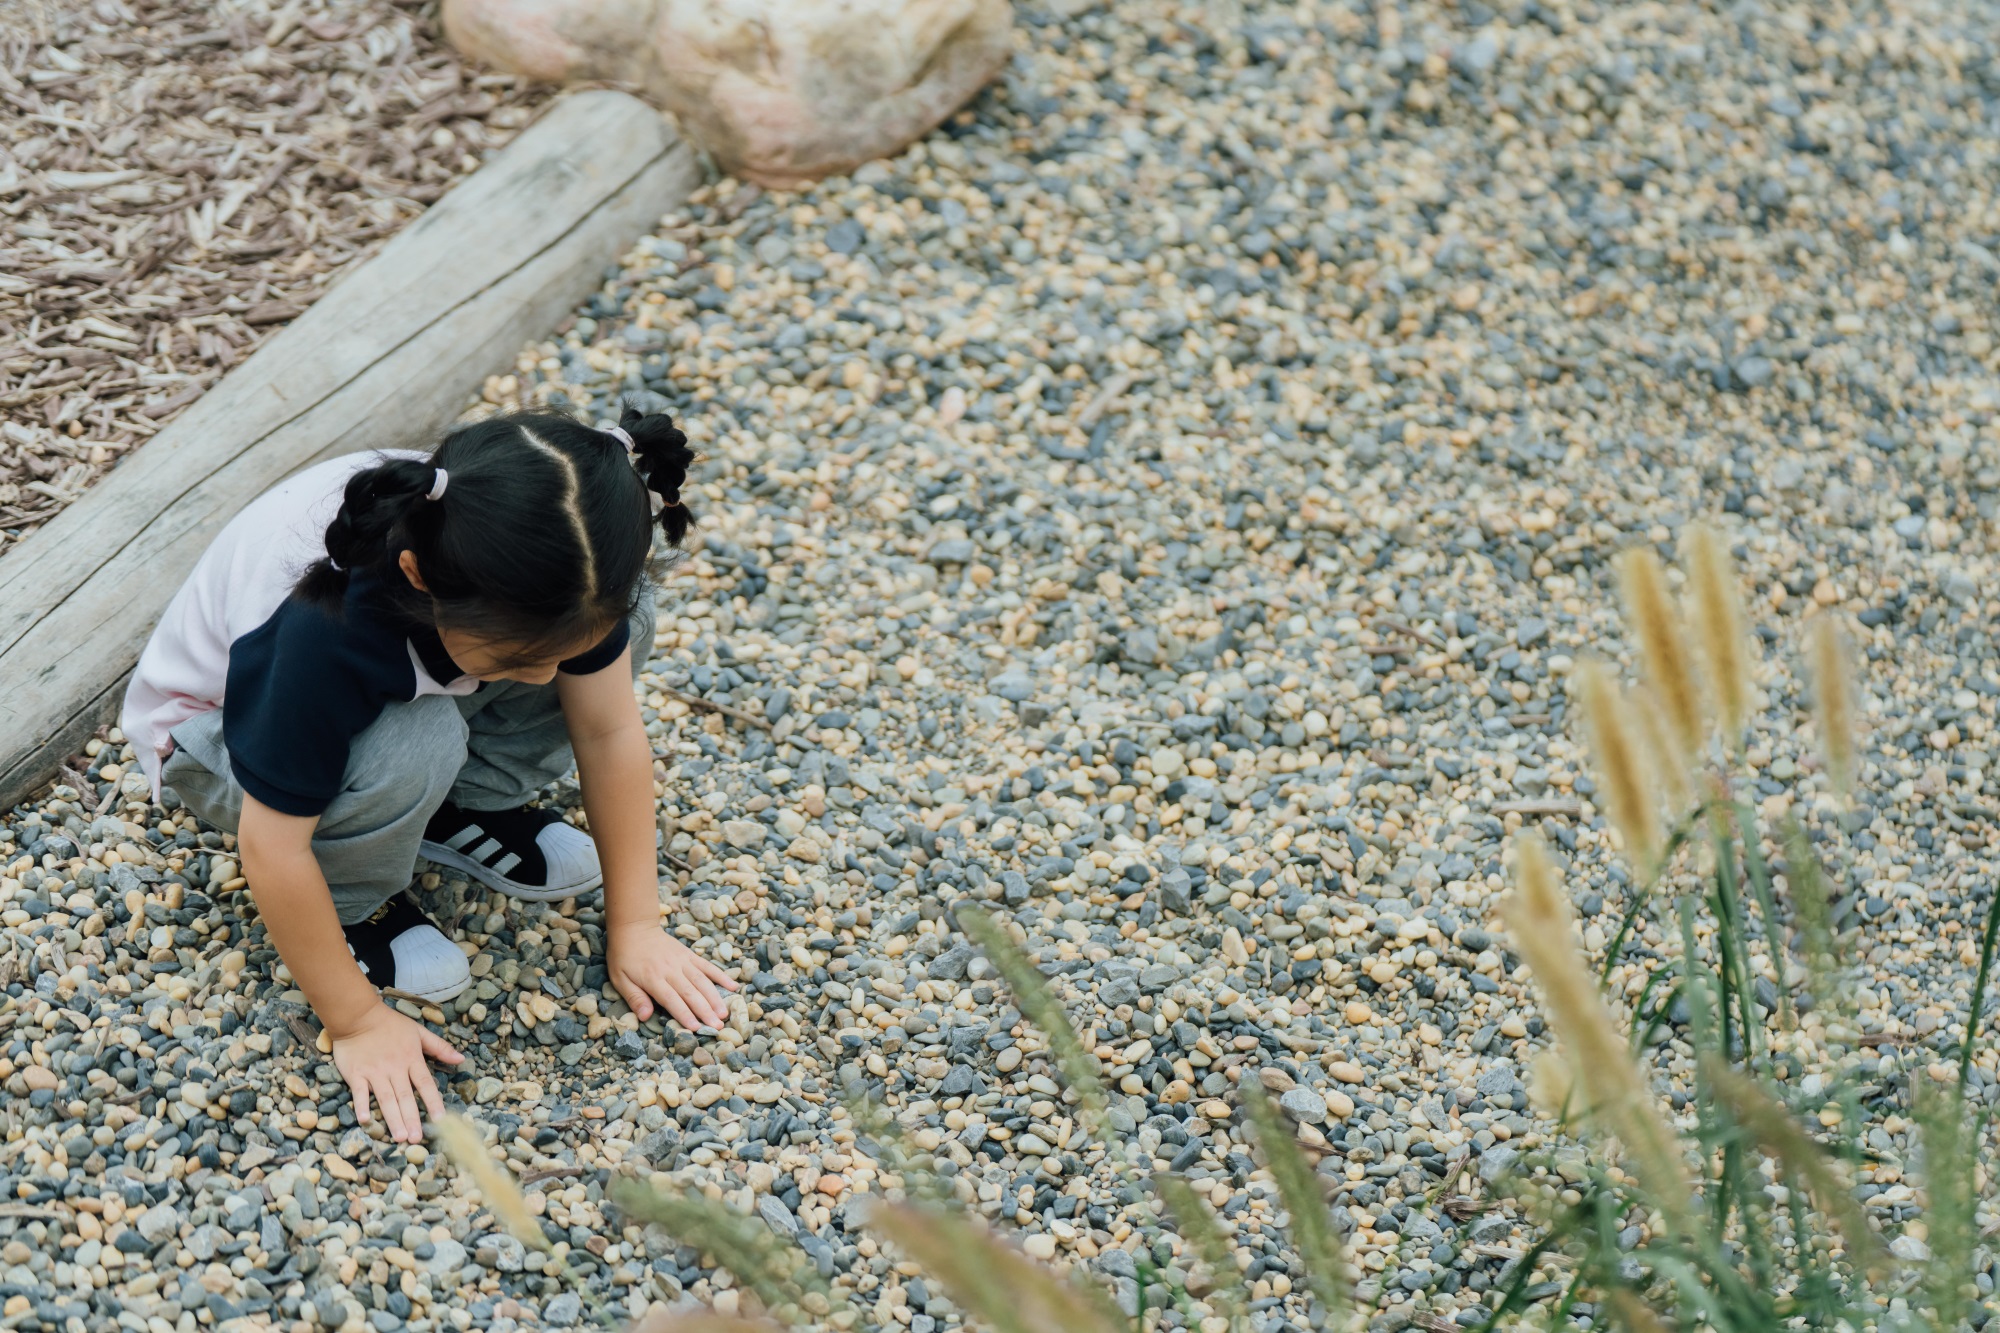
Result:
{"points": [[491, 750]]}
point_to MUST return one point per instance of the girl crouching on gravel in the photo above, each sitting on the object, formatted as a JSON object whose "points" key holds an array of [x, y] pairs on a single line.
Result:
{"points": [[386, 656]]}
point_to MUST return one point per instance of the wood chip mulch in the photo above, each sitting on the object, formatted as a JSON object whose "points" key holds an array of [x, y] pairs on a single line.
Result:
{"points": [[179, 179]]}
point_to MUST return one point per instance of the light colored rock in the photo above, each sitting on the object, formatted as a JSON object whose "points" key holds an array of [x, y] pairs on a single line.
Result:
{"points": [[157, 1223], [781, 91]]}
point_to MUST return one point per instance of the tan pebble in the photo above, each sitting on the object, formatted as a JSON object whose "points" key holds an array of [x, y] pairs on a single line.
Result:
{"points": [[1338, 1104], [1346, 1071], [17, 1305], [1215, 1110], [831, 1185], [907, 667], [340, 1168], [707, 1095], [1513, 1026], [1382, 972], [1040, 1246], [1358, 1012], [39, 1079], [1276, 1080]]}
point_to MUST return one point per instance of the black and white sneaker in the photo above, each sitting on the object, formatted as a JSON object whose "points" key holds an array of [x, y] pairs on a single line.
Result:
{"points": [[402, 950], [527, 854]]}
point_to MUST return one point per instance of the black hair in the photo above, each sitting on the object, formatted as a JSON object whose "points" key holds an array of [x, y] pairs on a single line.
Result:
{"points": [[539, 540]]}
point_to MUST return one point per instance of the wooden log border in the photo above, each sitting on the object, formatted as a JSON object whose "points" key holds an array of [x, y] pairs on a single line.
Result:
{"points": [[385, 359]]}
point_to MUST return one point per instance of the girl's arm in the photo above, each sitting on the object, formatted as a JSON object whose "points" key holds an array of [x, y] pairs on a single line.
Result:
{"points": [[377, 1050], [614, 765]]}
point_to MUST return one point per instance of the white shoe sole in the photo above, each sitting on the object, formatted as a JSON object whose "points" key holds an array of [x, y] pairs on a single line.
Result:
{"points": [[439, 854], [438, 996]]}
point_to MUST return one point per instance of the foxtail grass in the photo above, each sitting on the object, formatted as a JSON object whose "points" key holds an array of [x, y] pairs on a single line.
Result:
{"points": [[1298, 1186], [1627, 785], [1801, 1158], [1670, 769], [1615, 1095], [1758, 1223], [776, 1273], [1720, 628], [1204, 1234], [996, 1283], [1833, 700], [466, 1147], [1663, 642], [1078, 1066]]}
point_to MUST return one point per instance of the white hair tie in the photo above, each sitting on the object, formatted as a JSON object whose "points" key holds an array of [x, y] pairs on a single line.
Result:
{"points": [[439, 480], [618, 433]]}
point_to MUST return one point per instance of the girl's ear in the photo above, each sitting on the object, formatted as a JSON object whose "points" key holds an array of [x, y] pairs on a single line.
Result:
{"points": [[407, 562]]}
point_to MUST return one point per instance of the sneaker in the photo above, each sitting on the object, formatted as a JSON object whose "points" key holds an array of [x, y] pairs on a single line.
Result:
{"points": [[402, 950], [527, 854]]}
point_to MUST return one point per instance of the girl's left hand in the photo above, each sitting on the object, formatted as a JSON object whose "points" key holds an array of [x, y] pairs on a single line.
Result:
{"points": [[647, 964]]}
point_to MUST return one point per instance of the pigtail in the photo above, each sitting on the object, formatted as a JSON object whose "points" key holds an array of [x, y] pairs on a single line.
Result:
{"points": [[375, 504], [660, 452]]}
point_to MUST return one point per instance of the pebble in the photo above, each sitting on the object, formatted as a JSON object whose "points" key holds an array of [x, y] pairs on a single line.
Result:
{"points": [[1163, 509]]}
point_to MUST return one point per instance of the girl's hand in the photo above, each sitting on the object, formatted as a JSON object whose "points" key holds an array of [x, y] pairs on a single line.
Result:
{"points": [[384, 1057], [647, 964]]}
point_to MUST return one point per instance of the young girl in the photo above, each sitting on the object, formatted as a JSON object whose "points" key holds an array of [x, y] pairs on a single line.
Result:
{"points": [[385, 657]]}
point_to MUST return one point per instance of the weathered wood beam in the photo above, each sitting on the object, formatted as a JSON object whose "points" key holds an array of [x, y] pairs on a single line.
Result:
{"points": [[384, 360]]}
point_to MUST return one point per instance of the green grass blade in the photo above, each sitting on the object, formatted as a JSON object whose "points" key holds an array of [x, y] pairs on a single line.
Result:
{"points": [[1514, 1297], [1312, 1231], [1943, 1131], [1732, 966], [1975, 1013], [1813, 907], [1758, 871]]}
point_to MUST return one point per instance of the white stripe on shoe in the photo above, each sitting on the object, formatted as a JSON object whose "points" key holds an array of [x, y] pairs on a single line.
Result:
{"points": [[458, 840]]}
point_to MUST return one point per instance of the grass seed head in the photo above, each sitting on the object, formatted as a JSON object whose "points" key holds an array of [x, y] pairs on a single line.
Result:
{"points": [[1664, 648], [1668, 761], [1833, 699], [1611, 1090], [1621, 765], [496, 1184], [1723, 632]]}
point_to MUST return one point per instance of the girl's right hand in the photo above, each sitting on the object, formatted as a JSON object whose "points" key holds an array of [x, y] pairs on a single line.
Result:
{"points": [[383, 1057]]}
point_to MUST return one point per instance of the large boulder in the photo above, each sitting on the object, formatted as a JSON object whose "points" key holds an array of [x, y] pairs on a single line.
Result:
{"points": [[782, 92]]}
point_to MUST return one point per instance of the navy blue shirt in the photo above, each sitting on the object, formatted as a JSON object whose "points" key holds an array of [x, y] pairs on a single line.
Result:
{"points": [[306, 682]]}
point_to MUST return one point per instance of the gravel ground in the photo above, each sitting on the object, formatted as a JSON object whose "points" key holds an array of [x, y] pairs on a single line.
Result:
{"points": [[181, 179], [1165, 505]]}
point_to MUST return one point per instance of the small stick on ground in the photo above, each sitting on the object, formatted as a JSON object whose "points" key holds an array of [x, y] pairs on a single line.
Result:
{"points": [[1395, 626], [1113, 389], [696, 701]]}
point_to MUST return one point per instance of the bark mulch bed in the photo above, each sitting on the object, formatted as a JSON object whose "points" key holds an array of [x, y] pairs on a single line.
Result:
{"points": [[177, 180]]}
